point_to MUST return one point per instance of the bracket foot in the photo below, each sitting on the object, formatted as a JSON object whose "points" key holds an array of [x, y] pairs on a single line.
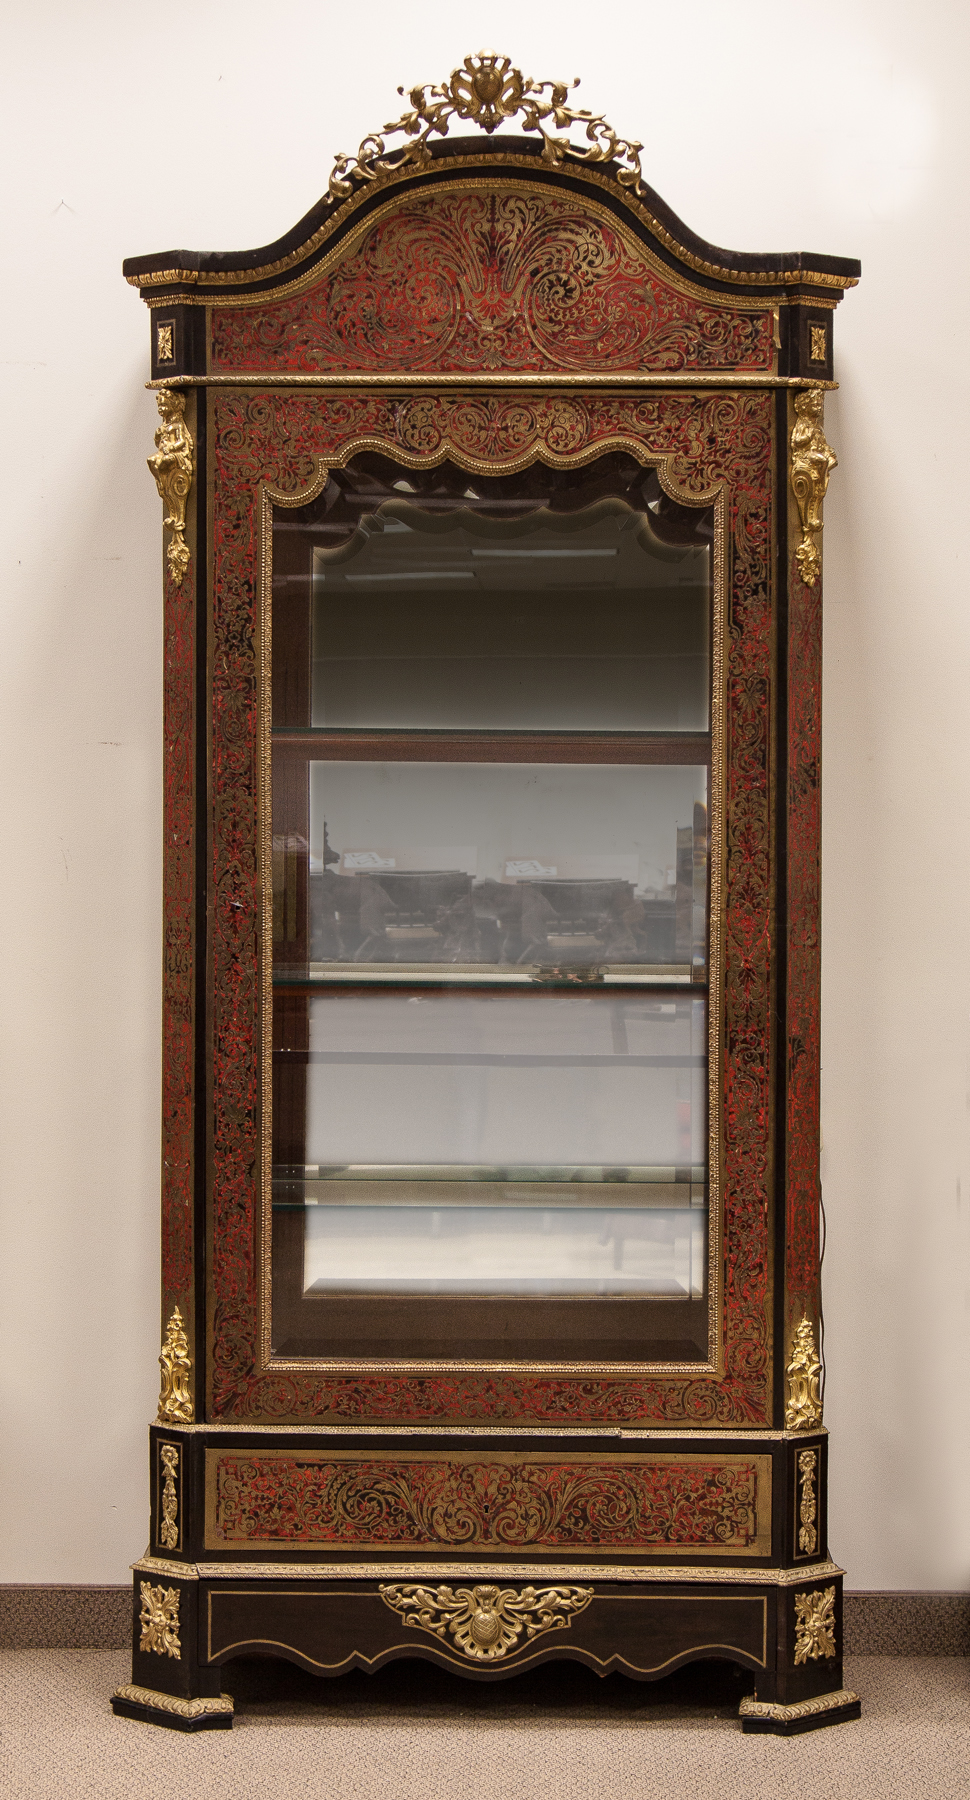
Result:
{"points": [[804, 1715], [152, 1708]]}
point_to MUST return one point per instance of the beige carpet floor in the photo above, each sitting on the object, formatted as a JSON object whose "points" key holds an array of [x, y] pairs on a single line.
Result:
{"points": [[415, 1733]]}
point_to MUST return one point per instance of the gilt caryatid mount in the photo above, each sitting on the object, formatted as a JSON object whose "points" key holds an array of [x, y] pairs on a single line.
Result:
{"points": [[173, 465], [812, 462]]}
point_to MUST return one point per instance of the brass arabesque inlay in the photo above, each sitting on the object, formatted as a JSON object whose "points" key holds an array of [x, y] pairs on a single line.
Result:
{"points": [[807, 1533], [164, 347], [175, 1399], [427, 1495], [159, 1618], [173, 466], [812, 462], [818, 343], [815, 1625], [485, 1621], [804, 1409]]}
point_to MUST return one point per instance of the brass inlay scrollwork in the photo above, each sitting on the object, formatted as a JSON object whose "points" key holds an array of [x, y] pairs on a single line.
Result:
{"points": [[804, 1409], [159, 1619], [173, 466], [175, 1399], [485, 1621], [807, 1534], [812, 462], [168, 1529], [485, 91], [815, 1625]]}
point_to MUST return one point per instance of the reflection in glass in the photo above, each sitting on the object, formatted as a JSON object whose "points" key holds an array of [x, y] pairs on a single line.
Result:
{"points": [[503, 865], [547, 622]]}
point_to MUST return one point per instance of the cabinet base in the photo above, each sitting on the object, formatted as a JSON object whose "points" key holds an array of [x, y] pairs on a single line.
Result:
{"points": [[152, 1708], [804, 1715]]}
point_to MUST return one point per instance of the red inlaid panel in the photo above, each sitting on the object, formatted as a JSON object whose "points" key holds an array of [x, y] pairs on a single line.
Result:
{"points": [[178, 989], [706, 440], [488, 1503], [804, 972], [474, 282]]}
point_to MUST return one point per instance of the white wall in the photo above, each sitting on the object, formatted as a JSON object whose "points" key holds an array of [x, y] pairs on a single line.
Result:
{"points": [[841, 127]]}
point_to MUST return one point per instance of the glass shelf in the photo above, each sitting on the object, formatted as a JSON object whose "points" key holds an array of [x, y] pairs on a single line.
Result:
{"points": [[495, 974]]}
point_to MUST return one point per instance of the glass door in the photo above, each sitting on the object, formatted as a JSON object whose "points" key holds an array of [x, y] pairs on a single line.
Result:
{"points": [[491, 771]]}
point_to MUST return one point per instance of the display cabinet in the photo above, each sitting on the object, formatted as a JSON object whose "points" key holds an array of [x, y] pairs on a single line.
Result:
{"points": [[490, 1220]]}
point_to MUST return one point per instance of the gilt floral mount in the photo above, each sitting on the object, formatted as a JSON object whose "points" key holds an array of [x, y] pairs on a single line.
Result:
{"points": [[486, 91]]}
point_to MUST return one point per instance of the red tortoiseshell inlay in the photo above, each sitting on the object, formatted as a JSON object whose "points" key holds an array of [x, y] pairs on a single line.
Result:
{"points": [[474, 283], [178, 985], [488, 1503], [804, 966]]}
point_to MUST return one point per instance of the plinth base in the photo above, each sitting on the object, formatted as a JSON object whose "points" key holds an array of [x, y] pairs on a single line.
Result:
{"points": [[804, 1715], [152, 1708]]}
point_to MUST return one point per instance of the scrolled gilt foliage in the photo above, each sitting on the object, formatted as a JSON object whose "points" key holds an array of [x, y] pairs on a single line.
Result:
{"points": [[486, 1622], [486, 91], [808, 1533], [804, 1409], [168, 1533], [175, 1406], [159, 1619], [815, 1625]]}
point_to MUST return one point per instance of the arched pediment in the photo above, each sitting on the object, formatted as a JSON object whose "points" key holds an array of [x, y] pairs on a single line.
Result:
{"points": [[476, 257], [486, 277]]}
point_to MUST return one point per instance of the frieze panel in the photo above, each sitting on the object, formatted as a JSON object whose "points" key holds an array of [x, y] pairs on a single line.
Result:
{"points": [[479, 282], [718, 1505], [706, 442]]}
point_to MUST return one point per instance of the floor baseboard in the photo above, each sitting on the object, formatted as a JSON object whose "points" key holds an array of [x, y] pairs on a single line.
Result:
{"points": [[64, 1617], [907, 1624]]}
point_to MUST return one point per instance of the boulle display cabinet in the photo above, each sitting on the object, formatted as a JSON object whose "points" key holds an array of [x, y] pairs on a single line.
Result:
{"points": [[490, 1242]]}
